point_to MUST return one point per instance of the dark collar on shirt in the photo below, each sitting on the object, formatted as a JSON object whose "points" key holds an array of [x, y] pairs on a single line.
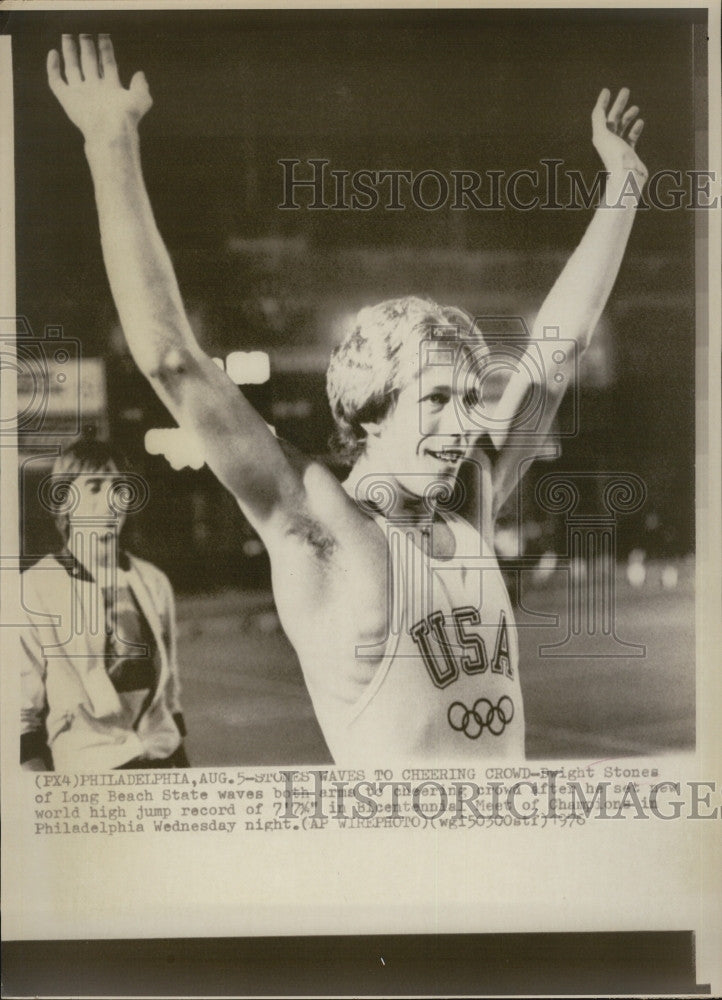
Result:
{"points": [[74, 568], [487, 445]]}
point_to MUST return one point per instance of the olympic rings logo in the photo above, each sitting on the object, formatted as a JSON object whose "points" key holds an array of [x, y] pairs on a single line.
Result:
{"points": [[482, 715]]}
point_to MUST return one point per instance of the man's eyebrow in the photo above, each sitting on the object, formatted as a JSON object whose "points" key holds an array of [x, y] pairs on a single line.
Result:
{"points": [[438, 387]]}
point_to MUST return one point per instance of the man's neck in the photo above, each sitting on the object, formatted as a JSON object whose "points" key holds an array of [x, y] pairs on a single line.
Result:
{"points": [[382, 492], [105, 557]]}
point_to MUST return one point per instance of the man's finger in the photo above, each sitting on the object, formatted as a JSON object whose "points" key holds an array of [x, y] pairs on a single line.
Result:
{"points": [[88, 58], [55, 78], [628, 117], [70, 58], [139, 85], [107, 58], [635, 132], [603, 99], [599, 114], [615, 112], [141, 92]]}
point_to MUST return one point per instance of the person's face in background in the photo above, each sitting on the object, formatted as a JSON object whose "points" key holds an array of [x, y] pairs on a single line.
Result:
{"points": [[95, 524]]}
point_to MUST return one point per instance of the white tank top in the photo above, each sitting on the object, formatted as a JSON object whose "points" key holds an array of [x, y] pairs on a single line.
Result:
{"points": [[447, 684]]}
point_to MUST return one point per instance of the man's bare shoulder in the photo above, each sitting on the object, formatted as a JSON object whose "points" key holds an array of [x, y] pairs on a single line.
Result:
{"points": [[329, 558], [326, 527]]}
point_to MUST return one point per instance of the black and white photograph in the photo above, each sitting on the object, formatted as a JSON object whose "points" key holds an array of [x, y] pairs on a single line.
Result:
{"points": [[291, 221], [364, 429]]}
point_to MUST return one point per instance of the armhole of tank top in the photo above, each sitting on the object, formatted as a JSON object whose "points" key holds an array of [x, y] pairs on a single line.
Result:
{"points": [[460, 526], [397, 588]]}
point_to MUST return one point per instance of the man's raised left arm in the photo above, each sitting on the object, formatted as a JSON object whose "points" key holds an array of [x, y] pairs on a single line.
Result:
{"points": [[578, 297]]}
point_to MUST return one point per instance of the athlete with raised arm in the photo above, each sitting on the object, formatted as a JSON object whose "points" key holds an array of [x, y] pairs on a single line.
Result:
{"points": [[402, 663]]}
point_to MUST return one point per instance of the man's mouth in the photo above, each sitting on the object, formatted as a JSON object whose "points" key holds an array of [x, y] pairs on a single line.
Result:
{"points": [[450, 456]]}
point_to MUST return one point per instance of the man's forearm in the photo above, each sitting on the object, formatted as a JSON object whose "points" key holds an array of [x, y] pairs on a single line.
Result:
{"points": [[238, 445], [139, 268], [580, 294]]}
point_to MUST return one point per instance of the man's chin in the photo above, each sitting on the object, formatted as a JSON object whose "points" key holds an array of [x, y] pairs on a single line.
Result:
{"points": [[430, 485]]}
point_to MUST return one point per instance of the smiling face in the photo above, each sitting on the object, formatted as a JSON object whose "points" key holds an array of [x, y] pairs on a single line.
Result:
{"points": [[424, 437], [377, 359]]}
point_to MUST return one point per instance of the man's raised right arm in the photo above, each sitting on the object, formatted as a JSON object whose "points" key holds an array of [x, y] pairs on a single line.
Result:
{"points": [[238, 446]]}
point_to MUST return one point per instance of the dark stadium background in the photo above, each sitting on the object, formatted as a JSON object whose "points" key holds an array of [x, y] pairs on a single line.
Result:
{"points": [[484, 90]]}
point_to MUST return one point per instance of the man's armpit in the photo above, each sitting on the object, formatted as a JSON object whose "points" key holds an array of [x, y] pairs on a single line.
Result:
{"points": [[313, 534]]}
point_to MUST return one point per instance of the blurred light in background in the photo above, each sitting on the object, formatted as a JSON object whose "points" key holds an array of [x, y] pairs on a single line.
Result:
{"points": [[295, 409], [636, 568], [248, 367], [181, 449]]}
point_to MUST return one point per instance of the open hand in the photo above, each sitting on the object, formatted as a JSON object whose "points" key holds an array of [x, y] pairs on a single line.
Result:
{"points": [[615, 133], [91, 94]]}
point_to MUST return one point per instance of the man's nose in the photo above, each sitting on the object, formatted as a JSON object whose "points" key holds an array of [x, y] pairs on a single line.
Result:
{"points": [[99, 507], [452, 420]]}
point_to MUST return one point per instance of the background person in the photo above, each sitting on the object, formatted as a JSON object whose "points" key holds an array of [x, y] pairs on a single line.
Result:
{"points": [[100, 685]]}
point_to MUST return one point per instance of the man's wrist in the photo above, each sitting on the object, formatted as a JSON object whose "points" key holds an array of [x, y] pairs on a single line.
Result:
{"points": [[619, 175], [112, 142], [624, 188]]}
